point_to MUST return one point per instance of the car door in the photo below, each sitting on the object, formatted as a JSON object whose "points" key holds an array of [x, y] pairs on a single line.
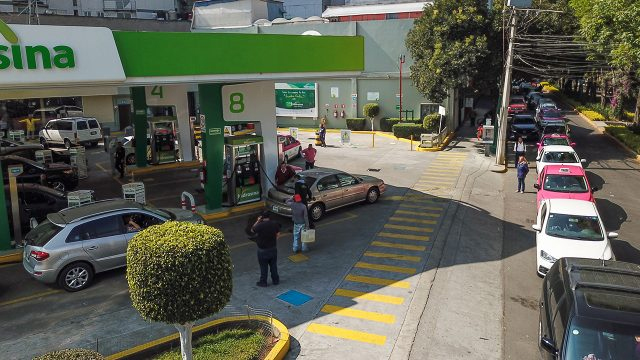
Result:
{"points": [[51, 132], [95, 132], [330, 192], [65, 131], [353, 190], [37, 204], [82, 129], [142, 219], [104, 242]]}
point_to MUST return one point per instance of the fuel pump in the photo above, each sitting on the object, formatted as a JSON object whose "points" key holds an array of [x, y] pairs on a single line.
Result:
{"points": [[242, 173], [163, 140]]}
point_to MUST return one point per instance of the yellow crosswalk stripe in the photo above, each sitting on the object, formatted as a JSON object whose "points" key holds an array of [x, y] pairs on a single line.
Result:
{"points": [[392, 256], [347, 334], [359, 314], [443, 170], [358, 295], [408, 228], [417, 213], [413, 220], [378, 281], [404, 236], [398, 246], [438, 176], [412, 206], [389, 268], [426, 182]]}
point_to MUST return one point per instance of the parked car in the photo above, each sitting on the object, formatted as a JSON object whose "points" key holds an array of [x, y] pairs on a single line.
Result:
{"points": [[546, 115], [554, 127], [563, 182], [554, 139], [36, 201], [29, 152], [590, 307], [291, 147], [75, 243], [59, 176], [516, 105], [569, 228], [558, 155], [71, 131], [331, 189], [546, 103], [525, 126], [128, 143]]}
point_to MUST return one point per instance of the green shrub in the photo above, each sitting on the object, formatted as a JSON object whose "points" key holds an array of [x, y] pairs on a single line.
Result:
{"points": [[405, 130], [371, 110], [626, 136], [70, 354], [356, 124], [431, 122], [592, 115], [386, 124]]}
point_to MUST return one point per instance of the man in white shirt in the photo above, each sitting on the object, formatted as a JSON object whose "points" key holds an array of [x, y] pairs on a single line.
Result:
{"points": [[519, 148]]}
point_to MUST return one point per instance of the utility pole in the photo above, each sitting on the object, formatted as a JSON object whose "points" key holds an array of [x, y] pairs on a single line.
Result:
{"points": [[506, 94], [401, 60]]}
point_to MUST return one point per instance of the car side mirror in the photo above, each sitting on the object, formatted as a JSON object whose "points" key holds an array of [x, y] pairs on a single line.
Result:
{"points": [[537, 186], [612, 235], [548, 345], [584, 161], [536, 227], [573, 144], [33, 223]]}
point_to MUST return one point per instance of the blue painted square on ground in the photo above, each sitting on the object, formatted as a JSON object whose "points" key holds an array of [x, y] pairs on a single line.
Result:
{"points": [[295, 298]]}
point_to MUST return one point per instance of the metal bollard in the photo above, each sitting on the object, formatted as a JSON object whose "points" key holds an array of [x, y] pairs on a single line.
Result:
{"points": [[411, 146]]}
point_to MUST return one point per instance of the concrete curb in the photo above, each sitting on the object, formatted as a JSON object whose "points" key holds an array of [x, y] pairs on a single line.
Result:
{"points": [[241, 209], [13, 256], [278, 351], [156, 168]]}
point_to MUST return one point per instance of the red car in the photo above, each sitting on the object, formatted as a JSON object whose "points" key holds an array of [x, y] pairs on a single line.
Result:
{"points": [[516, 105], [563, 182]]}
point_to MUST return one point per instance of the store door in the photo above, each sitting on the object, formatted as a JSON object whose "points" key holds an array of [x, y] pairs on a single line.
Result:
{"points": [[124, 115]]}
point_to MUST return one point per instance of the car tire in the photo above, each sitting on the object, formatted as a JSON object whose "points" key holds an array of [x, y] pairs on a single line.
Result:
{"points": [[44, 143], [58, 185], [372, 195], [94, 144], [316, 211], [67, 144], [131, 159], [75, 277]]}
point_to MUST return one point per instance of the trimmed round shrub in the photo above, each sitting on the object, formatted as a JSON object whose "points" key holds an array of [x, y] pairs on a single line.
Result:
{"points": [[431, 122], [371, 110], [356, 124], [70, 354], [179, 272]]}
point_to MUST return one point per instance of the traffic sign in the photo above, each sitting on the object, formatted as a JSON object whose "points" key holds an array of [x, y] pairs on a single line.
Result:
{"points": [[397, 107]]}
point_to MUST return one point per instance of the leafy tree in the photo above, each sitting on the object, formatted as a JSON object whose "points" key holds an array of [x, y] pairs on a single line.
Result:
{"points": [[179, 272], [451, 47], [371, 110]]}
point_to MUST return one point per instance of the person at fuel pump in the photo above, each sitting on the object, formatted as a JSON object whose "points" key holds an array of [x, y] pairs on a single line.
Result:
{"points": [[300, 217], [301, 188], [323, 133], [119, 158], [267, 232], [284, 173], [309, 155]]}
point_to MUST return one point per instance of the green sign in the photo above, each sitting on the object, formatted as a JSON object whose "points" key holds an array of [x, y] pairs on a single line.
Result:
{"points": [[296, 99], [60, 56], [397, 107], [215, 131], [15, 170], [243, 140], [245, 194]]}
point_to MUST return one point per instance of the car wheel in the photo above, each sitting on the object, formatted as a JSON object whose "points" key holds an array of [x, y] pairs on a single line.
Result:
{"points": [[131, 159], [316, 211], [43, 142], [67, 144], [372, 195], [75, 277], [94, 144], [58, 185]]}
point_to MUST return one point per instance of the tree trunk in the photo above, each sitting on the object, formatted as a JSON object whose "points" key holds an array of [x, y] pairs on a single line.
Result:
{"points": [[636, 115], [185, 331]]}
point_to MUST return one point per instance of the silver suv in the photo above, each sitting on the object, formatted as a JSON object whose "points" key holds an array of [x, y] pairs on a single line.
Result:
{"points": [[75, 243]]}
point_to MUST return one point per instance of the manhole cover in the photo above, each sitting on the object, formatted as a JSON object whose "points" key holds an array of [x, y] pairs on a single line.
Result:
{"points": [[374, 170]]}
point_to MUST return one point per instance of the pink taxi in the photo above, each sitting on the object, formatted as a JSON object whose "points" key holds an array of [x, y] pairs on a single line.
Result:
{"points": [[563, 182]]}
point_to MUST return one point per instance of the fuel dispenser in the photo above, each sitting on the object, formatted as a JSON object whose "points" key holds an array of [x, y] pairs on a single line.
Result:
{"points": [[242, 170], [163, 140]]}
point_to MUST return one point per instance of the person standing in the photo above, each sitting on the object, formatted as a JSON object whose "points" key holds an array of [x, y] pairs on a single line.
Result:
{"points": [[300, 217], [323, 134], [120, 153], [284, 173], [301, 188], [267, 232], [309, 157], [30, 126], [520, 149], [522, 170]]}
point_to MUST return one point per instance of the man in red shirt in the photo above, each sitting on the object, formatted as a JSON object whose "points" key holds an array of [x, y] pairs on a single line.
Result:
{"points": [[309, 157], [284, 173]]}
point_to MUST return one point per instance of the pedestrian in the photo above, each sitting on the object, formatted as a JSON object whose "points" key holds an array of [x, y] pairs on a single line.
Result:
{"points": [[309, 155], [300, 217], [522, 170], [120, 166], [323, 134], [30, 126], [284, 173], [301, 188], [520, 149], [267, 232]]}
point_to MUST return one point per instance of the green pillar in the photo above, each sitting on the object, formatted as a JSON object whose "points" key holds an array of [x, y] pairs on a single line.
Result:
{"points": [[5, 236], [210, 96], [140, 124]]}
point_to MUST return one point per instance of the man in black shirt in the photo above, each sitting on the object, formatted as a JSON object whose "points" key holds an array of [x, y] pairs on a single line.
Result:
{"points": [[120, 153], [267, 232]]}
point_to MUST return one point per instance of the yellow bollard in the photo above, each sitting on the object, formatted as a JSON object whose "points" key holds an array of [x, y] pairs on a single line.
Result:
{"points": [[411, 137], [373, 139]]}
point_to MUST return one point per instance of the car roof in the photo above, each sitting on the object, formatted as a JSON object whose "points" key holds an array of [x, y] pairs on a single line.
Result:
{"points": [[572, 207], [76, 213], [604, 290], [559, 148], [318, 173], [564, 170], [75, 118], [555, 135], [38, 187]]}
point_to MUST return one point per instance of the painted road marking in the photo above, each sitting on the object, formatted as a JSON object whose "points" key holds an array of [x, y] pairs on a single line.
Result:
{"points": [[417, 213], [427, 182], [404, 236], [347, 334], [413, 220], [398, 246], [30, 297], [298, 258], [378, 281], [394, 300], [393, 256], [408, 228], [359, 314], [438, 176], [434, 208], [423, 200], [389, 268]]}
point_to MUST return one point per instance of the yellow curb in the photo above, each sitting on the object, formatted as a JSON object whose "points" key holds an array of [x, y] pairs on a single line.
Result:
{"points": [[154, 168], [11, 258], [232, 211], [278, 352]]}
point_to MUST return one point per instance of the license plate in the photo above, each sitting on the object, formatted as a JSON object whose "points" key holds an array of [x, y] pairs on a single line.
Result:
{"points": [[94, 132], [275, 208]]}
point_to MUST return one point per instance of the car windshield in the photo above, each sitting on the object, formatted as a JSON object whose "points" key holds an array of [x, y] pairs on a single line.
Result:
{"points": [[555, 129], [290, 186], [574, 227], [516, 101], [604, 340], [524, 120], [555, 141], [559, 157], [565, 183], [552, 113], [42, 233]]}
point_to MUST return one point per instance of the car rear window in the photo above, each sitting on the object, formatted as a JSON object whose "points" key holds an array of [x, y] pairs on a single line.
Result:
{"points": [[93, 123], [555, 130], [552, 113], [560, 157], [42, 233], [290, 186], [82, 125], [516, 101], [555, 141], [524, 120], [565, 183]]}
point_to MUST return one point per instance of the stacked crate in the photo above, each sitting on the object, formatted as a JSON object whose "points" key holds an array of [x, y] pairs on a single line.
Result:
{"points": [[79, 197], [79, 160], [16, 135], [44, 156], [134, 191]]}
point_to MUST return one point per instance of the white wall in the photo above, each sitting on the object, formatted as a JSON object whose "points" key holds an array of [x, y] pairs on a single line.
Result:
{"points": [[100, 107]]}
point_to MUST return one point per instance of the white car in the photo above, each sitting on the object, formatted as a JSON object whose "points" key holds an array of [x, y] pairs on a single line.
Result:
{"points": [[558, 155], [569, 228], [71, 131]]}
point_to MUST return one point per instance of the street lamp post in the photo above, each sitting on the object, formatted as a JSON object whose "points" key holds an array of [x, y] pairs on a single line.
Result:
{"points": [[401, 60]]}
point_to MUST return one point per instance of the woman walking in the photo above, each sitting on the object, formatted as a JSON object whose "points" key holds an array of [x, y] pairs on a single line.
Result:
{"points": [[520, 149], [523, 170]]}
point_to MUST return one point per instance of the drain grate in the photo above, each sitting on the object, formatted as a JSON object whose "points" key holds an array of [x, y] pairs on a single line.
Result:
{"points": [[374, 170]]}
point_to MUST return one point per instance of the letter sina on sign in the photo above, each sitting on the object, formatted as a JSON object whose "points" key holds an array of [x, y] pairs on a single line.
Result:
{"points": [[32, 56]]}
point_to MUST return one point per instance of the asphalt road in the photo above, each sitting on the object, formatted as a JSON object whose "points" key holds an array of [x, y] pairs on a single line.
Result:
{"points": [[611, 169]]}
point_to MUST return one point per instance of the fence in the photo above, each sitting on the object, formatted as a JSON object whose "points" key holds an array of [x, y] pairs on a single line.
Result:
{"points": [[433, 139]]}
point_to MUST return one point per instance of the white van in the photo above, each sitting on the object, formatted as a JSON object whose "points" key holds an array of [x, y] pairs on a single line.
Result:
{"points": [[71, 131]]}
